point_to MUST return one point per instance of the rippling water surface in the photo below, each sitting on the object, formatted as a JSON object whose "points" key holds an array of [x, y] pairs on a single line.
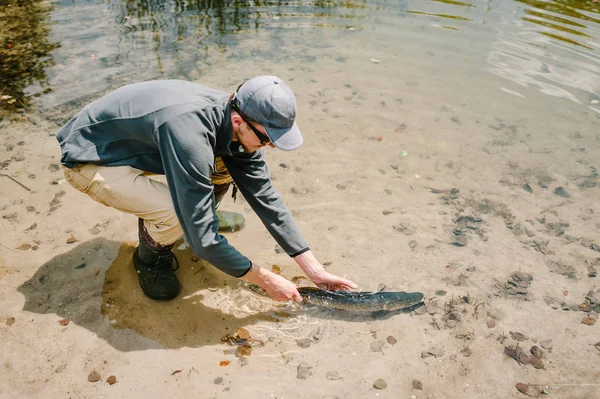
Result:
{"points": [[64, 50]]}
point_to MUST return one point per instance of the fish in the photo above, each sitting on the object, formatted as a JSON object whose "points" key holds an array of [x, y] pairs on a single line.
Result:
{"points": [[355, 301], [360, 301]]}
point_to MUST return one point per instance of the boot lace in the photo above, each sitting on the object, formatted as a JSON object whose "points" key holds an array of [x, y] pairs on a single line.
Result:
{"points": [[164, 265]]}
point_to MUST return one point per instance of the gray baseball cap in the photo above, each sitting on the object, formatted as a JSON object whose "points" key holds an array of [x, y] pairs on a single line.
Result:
{"points": [[271, 102]]}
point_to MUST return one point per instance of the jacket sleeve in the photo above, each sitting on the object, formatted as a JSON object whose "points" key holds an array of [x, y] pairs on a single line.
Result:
{"points": [[251, 174], [188, 162]]}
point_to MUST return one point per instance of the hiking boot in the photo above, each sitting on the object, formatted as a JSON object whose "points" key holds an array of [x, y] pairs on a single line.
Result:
{"points": [[154, 265]]}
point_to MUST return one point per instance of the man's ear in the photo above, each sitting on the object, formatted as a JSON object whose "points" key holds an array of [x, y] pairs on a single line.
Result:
{"points": [[236, 120]]}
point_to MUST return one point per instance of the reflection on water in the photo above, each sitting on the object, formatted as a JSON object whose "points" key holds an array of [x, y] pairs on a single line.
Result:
{"points": [[24, 50], [548, 45]]}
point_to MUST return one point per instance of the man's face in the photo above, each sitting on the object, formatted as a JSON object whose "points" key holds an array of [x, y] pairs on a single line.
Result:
{"points": [[250, 135]]}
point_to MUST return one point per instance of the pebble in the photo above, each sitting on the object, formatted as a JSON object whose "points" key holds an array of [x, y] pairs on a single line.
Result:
{"points": [[460, 241], [523, 388], [303, 371], [421, 310], [94, 376], [377, 346], [517, 336], [491, 323], [433, 351], [333, 375], [416, 384], [283, 166], [380, 384], [560, 191], [412, 244], [303, 342], [527, 188], [440, 293], [466, 352], [546, 343], [392, 340], [111, 380], [451, 323], [71, 240], [387, 212], [10, 321], [589, 321], [218, 380]]}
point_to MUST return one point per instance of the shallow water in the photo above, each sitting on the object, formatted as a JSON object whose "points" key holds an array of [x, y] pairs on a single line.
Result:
{"points": [[68, 51]]}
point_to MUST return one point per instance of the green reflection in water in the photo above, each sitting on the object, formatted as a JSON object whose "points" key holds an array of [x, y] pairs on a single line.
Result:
{"points": [[456, 3], [564, 39], [566, 7], [213, 25], [555, 26], [439, 15], [24, 50], [554, 18]]}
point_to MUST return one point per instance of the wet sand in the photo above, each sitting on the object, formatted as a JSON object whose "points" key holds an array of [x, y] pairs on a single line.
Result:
{"points": [[485, 204]]}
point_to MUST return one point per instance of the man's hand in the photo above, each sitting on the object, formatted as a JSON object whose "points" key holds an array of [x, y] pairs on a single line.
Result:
{"points": [[315, 271], [277, 287], [328, 281]]}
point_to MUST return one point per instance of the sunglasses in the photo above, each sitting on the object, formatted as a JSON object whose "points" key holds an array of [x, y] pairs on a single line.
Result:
{"points": [[264, 140]]}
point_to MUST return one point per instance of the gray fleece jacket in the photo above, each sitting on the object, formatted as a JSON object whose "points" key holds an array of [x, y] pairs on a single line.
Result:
{"points": [[177, 128]]}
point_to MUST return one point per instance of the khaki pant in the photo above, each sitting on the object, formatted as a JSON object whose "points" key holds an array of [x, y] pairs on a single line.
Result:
{"points": [[132, 191]]}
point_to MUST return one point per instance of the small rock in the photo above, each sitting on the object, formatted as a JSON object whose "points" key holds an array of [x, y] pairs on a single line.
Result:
{"points": [[303, 342], [412, 244], [392, 340], [10, 321], [460, 241], [377, 346], [546, 343], [64, 322], [71, 240], [421, 310], [440, 293], [560, 191], [523, 388], [536, 363], [380, 384], [218, 380], [585, 307], [466, 352], [333, 375], [60, 368], [340, 186], [94, 376], [387, 212], [451, 323], [24, 247], [303, 371], [416, 384], [517, 336], [283, 166], [491, 323], [589, 321], [536, 351], [433, 351], [111, 380], [527, 188]]}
